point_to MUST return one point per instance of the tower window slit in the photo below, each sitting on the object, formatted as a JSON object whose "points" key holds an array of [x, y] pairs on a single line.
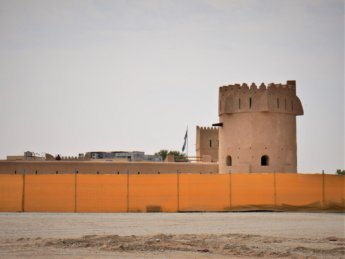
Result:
{"points": [[210, 142], [278, 103], [250, 103], [239, 103], [228, 161]]}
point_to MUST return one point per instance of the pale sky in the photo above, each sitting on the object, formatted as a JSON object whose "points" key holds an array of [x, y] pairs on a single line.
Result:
{"points": [[77, 76]]}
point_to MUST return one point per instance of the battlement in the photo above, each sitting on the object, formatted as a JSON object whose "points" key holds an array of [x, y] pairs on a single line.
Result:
{"points": [[206, 128], [281, 98], [290, 86]]}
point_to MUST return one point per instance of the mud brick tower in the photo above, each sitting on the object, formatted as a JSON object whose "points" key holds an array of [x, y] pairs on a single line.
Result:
{"points": [[257, 130], [207, 143]]}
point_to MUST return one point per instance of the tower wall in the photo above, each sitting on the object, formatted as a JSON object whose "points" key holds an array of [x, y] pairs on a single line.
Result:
{"points": [[259, 128], [207, 142]]}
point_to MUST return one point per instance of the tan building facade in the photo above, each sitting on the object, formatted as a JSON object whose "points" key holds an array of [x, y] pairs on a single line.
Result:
{"points": [[257, 130]]}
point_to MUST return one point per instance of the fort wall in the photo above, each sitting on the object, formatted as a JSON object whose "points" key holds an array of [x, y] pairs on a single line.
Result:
{"points": [[251, 136], [101, 167]]}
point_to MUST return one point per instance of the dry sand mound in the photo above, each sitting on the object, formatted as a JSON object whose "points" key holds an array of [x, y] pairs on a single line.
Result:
{"points": [[235, 245]]}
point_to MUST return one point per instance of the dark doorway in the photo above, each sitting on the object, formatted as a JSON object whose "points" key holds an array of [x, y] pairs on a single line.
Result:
{"points": [[264, 160]]}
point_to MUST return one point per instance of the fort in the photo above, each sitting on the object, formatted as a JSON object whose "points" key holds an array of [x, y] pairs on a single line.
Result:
{"points": [[245, 161], [256, 133]]}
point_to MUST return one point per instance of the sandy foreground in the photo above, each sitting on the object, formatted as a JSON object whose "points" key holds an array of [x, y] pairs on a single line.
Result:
{"points": [[172, 235]]}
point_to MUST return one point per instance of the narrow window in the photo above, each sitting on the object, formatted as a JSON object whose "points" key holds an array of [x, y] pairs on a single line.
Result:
{"points": [[264, 160], [250, 103], [278, 103], [285, 104], [239, 104], [291, 105], [210, 142], [228, 161]]}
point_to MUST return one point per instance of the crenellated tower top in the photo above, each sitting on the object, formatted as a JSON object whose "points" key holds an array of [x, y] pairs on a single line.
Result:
{"points": [[201, 128], [280, 98]]}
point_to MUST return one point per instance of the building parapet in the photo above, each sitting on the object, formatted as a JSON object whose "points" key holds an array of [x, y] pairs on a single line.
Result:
{"points": [[280, 98]]}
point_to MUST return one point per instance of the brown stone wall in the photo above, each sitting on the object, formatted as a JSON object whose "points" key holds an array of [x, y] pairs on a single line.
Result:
{"points": [[91, 167], [207, 142], [247, 137]]}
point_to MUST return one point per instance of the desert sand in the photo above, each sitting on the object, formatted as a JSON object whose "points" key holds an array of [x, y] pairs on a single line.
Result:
{"points": [[172, 235]]}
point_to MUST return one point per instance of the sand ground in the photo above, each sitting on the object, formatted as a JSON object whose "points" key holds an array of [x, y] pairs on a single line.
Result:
{"points": [[172, 235]]}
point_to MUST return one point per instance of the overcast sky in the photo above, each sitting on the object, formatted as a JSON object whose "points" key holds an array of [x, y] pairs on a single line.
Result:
{"points": [[77, 76]]}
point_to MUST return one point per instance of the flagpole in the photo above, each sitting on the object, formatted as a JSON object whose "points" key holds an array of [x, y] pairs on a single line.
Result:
{"points": [[187, 141]]}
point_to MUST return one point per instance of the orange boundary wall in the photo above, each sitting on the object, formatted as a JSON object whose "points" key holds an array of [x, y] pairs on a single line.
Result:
{"points": [[54, 193], [171, 192], [11, 193], [101, 193], [253, 191], [206, 192]]}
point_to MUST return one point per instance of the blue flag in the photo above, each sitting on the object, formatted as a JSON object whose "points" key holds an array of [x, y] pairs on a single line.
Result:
{"points": [[185, 140]]}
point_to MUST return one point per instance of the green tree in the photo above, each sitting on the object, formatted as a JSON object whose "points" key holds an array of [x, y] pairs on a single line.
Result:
{"points": [[340, 172], [163, 153], [179, 156]]}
